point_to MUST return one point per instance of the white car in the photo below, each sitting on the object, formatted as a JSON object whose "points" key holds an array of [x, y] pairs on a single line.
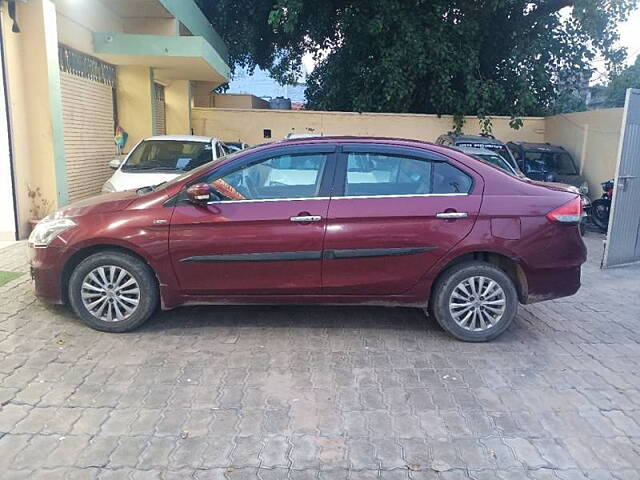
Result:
{"points": [[162, 158]]}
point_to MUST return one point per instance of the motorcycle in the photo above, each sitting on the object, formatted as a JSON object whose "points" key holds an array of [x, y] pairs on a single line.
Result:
{"points": [[601, 207], [586, 209]]}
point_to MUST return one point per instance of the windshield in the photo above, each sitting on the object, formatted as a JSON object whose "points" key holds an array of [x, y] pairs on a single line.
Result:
{"points": [[496, 161], [168, 156], [543, 162], [494, 147]]}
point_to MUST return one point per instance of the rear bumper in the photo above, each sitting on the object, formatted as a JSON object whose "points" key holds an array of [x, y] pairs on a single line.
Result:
{"points": [[46, 272], [547, 284]]}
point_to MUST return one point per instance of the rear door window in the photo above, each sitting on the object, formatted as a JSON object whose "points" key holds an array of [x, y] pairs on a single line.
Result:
{"points": [[448, 179], [376, 174]]}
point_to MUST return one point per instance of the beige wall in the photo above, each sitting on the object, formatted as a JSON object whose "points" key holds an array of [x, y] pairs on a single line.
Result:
{"points": [[248, 125], [177, 96], [238, 100], [76, 21], [592, 138], [151, 26], [201, 93], [29, 82], [202, 97], [133, 94]]}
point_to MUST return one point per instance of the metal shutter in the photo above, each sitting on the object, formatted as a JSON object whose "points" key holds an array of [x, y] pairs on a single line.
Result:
{"points": [[86, 85], [159, 111]]}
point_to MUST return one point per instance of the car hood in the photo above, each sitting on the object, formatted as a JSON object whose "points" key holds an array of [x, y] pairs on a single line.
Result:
{"points": [[107, 202], [121, 181]]}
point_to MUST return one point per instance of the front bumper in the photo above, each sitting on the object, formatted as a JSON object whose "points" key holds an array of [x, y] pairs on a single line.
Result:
{"points": [[46, 266]]}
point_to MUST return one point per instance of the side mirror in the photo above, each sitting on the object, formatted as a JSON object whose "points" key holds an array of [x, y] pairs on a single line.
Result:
{"points": [[200, 193], [115, 163]]}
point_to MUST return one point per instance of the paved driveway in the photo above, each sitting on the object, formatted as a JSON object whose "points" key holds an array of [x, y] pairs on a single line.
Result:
{"points": [[301, 392]]}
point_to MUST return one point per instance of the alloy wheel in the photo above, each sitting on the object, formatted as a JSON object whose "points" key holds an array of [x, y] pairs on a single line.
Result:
{"points": [[110, 293], [477, 303]]}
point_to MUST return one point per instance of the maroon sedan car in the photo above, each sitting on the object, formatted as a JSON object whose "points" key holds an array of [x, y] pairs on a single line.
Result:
{"points": [[341, 220]]}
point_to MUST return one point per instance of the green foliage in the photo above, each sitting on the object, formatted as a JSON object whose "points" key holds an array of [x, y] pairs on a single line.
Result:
{"points": [[466, 57], [616, 91], [567, 101], [458, 123], [486, 127], [516, 123]]}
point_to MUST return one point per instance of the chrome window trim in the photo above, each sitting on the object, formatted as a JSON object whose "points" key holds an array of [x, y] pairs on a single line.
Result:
{"points": [[346, 197], [214, 202], [408, 195]]}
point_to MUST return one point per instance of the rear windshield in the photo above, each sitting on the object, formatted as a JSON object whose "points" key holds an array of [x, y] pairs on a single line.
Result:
{"points": [[168, 156], [494, 147], [496, 161], [543, 162]]}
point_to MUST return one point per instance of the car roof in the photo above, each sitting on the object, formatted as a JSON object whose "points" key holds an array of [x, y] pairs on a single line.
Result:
{"points": [[182, 138], [345, 139], [546, 147]]}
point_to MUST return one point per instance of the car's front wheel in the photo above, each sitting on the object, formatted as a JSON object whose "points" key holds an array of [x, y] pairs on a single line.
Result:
{"points": [[474, 301], [113, 291]]}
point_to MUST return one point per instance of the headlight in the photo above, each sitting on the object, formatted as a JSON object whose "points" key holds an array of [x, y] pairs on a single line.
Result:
{"points": [[584, 188], [108, 188], [48, 229]]}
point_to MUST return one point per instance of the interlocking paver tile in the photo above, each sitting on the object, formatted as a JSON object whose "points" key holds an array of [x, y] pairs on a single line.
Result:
{"points": [[293, 392]]}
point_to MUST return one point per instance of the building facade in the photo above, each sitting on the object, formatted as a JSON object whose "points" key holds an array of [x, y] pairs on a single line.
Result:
{"points": [[76, 71]]}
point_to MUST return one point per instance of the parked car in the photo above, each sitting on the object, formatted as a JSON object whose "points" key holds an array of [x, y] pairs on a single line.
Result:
{"points": [[161, 158], [235, 146], [497, 160], [342, 220], [491, 157], [486, 142], [548, 163]]}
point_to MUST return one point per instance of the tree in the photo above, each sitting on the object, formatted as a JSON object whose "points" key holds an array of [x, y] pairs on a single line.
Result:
{"points": [[466, 57], [615, 93]]}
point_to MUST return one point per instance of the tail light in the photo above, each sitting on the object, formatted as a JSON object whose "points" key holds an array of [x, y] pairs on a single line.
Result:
{"points": [[569, 213]]}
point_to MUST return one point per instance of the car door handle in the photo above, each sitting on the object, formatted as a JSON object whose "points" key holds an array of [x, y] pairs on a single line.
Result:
{"points": [[452, 215], [306, 218]]}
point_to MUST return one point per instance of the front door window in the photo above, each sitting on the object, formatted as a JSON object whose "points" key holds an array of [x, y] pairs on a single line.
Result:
{"points": [[280, 177]]}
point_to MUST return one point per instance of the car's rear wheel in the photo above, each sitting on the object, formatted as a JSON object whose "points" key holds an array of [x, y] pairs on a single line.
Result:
{"points": [[474, 301], [113, 291]]}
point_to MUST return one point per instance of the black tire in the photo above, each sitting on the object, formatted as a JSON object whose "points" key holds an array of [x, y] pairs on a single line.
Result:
{"points": [[451, 278], [140, 271], [600, 214]]}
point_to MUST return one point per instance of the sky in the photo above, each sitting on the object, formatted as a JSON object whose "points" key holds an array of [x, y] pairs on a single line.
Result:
{"points": [[629, 38], [630, 35]]}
